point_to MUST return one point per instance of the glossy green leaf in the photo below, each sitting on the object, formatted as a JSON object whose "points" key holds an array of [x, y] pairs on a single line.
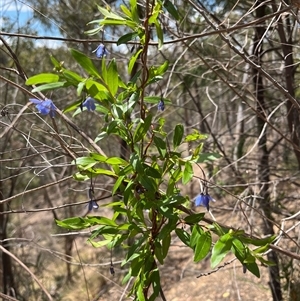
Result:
{"points": [[126, 11], [158, 252], [133, 60], [112, 22], [160, 145], [239, 250], [194, 218], [126, 38], [253, 268], [112, 77], [42, 78], [178, 134], [85, 62], [183, 236], [142, 129], [166, 242], [109, 14], [172, 10], [160, 34], [195, 136], [196, 233], [221, 249], [256, 241], [188, 172], [134, 11], [72, 77], [74, 223], [51, 86], [203, 246]]}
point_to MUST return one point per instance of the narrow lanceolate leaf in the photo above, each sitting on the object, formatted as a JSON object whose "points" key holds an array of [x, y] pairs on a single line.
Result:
{"points": [[112, 77], [178, 134], [187, 173], [160, 35], [203, 246], [126, 38], [172, 10], [133, 60], [85, 62], [183, 235], [108, 14], [220, 249], [51, 86], [142, 129], [43, 78]]}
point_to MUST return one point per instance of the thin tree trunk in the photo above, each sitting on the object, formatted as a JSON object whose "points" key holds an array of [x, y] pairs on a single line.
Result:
{"points": [[293, 113], [263, 160], [7, 270]]}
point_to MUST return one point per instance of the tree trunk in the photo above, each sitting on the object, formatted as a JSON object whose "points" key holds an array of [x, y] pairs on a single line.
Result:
{"points": [[263, 159], [7, 270]]}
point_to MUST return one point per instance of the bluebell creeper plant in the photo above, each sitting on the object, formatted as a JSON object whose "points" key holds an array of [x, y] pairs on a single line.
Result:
{"points": [[146, 183]]}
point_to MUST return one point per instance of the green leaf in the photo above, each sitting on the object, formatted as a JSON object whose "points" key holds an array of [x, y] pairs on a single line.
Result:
{"points": [[196, 233], [74, 223], [160, 145], [126, 38], [194, 218], [158, 252], [50, 86], [42, 78], [113, 22], [112, 77], [166, 245], [253, 268], [178, 134], [162, 68], [134, 11], [257, 241], [126, 11], [85, 62], [152, 172], [183, 236], [109, 14], [72, 77], [188, 173], [80, 87], [172, 10], [133, 60], [116, 160], [239, 250], [220, 249], [142, 129], [160, 34], [195, 136], [203, 246], [84, 161], [156, 99]]}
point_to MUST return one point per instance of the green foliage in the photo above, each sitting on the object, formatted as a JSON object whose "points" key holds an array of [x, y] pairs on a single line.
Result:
{"points": [[148, 180]]}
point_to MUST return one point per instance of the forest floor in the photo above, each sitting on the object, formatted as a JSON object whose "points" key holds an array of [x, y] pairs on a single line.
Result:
{"points": [[178, 274]]}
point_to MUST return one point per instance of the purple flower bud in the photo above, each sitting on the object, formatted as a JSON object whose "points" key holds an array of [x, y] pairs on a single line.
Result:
{"points": [[101, 51], [161, 105], [93, 205], [44, 107], [203, 200], [89, 103]]}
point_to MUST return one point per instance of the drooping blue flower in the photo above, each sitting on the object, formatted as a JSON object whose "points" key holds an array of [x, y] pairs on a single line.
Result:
{"points": [[101, 51], [89, 103], [161, 105], [44, 107], [93, 205], [203, 200]]}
